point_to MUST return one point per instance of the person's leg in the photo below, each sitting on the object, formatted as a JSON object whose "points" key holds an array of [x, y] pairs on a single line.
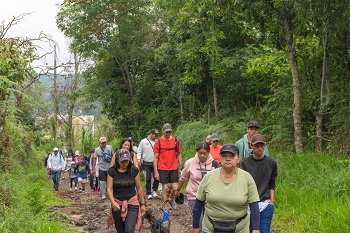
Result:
{"points": [[118, 221], [155, 182], [131, 218], [75, 183], [53, 176], [91, 178], [79, 183], [103, 183], [147, 170], [58, 178], [83, 182], [266, 218]]}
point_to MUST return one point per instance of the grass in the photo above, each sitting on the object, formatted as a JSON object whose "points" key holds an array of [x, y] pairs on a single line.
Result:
{"points": [[26, 200]]}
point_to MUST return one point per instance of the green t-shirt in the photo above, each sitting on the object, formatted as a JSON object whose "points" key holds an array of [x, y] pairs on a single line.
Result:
{"points": [[227, 201]]}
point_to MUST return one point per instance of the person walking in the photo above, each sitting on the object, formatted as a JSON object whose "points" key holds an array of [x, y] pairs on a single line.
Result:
{"points": [[125, 194], [69, 159], [167, 162], [92, 178], [264, 172], [194, 171], [227, 191], [145, 157], [56, 165], [215, 147], [103, 157], [72, 176], [126, 144], [243, 144], [82, 170]]}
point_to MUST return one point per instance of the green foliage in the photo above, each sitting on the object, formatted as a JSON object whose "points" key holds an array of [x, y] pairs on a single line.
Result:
{"points": [[312, 194]]}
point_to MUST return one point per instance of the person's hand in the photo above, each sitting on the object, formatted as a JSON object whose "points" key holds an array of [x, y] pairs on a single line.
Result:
{"points": [[156, 175], [115, 206], [143, 210], [50, 169], [177, 193], [140, 161], [93, 173], [195, 230]]}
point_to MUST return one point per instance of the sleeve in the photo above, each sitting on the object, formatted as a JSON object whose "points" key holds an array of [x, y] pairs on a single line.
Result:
{"points": [[185, 174], [63, 162], [253, 194], [197, 211], [243, 165], [156, 147], [201, 195], [273, 176], [140, 149], [49, 162], [240, 148], [254, 215]]}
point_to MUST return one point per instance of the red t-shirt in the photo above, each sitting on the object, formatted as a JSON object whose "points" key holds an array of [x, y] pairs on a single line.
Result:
{"points": [[167, 158], [215, 153]]}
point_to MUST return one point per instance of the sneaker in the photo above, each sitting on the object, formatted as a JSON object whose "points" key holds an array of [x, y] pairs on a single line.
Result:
{"points": [[173, 205], [149, 197], [154, 194], [70, 189], [103, 197]]}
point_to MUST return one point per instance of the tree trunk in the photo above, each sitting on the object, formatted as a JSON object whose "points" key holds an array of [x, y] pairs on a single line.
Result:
{"points": [[324, 97], [208, 96], [216, 108], [296, 84]]}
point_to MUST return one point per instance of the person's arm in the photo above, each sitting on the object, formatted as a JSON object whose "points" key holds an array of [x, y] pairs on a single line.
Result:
{"points": [[114, 204], [139, 153], [136, 162], [155, 165], [254, 217], [179, 160], [140, 194], [197, 211], [49, 163], [113, 160]]}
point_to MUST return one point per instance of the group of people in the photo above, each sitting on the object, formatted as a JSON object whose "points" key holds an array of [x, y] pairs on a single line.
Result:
{"points": [[230, 188]]}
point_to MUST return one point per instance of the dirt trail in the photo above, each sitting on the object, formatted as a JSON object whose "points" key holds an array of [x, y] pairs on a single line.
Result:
{"points": [[88, 213]]}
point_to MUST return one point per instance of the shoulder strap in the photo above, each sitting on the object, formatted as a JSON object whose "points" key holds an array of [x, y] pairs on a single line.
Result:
{"points": [[158, 146], [176, 144], [150, 142]]}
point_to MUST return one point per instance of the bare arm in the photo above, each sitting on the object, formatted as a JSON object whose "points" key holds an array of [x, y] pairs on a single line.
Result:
{"points": [[113, 160], [155, 165], [140, 194]]}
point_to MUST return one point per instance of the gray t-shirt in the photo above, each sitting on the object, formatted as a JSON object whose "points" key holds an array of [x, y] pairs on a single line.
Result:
{"points": [[104, 157]]}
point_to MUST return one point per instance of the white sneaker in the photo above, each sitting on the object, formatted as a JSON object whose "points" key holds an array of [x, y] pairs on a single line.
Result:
{"points": [[70, 189], [75, 188], [149, 197], [173, 205], [103, 197], [154, 194]]}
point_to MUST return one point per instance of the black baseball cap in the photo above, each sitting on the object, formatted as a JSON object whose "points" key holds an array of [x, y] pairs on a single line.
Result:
{"points": [[155, 131], [253, 124], [229, 148]]}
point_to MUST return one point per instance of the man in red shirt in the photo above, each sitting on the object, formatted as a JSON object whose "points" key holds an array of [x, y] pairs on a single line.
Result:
{"points": [[215, 147], [167, 161]]}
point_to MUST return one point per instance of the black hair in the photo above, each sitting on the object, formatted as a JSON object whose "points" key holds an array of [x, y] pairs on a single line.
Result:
{"points": [[122, 142], [203, 145], [84, 157]]}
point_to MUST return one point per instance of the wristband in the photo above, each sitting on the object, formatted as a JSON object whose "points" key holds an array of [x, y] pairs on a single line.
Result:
{"points": [[180, 166], [141, 204]]}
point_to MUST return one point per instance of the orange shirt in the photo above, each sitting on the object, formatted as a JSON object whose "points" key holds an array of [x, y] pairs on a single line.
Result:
{"points": [[167, 159], [215, 153]]}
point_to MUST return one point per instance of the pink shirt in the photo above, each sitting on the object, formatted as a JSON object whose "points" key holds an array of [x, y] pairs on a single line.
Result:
{"points": [[194, 172]]}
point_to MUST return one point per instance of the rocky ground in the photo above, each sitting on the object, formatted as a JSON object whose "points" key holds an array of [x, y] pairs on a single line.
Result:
{"points": [[88, 213]]}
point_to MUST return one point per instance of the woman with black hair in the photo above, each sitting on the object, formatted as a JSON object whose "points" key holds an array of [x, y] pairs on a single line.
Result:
{"points": [[125, 192], [126, 144]]}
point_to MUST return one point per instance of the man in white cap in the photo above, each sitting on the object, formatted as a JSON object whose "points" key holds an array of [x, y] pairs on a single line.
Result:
{"points": [[104, 154], [56, 165]]}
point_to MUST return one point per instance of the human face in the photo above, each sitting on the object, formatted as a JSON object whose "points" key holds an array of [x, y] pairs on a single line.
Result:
{"points": [[203, 155], [258, 149], [167, 134], [152, 136], [123, 164], [207, 139], [103, 144], [229, 160], [214, 143], [126, 145], [252, 131]]}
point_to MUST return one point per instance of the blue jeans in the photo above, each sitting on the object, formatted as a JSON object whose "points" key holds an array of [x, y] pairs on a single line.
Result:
{"points": [[191, 205], [265, 219], [56, 177]]}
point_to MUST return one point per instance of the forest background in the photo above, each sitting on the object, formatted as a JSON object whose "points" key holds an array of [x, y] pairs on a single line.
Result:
{"points": [[205, 67]]}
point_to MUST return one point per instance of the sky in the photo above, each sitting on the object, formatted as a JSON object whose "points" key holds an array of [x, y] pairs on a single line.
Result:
{"points": [[42, 19]]}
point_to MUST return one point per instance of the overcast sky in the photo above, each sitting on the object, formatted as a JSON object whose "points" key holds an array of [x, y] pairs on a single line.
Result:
{"points": [[42, 19]]}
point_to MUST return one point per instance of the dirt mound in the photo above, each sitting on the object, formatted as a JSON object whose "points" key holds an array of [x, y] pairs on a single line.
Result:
{"points": [[88, 213]]}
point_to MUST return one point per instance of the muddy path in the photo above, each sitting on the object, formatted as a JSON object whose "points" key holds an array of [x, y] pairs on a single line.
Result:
{"points": [[88, 213]]}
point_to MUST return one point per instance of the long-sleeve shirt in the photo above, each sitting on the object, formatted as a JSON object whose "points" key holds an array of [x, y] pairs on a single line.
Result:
{"points": [[145, 150], [56, 162]]}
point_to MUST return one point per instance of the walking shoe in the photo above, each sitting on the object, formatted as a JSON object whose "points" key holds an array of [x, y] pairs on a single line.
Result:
{"points": [[149, 197], [103, 197], [70, 189], [154, 194], [173, 205], [75, 188]]}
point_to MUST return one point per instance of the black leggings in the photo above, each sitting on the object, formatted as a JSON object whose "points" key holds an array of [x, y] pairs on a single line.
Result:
{"points": [[75, 182], [92, 182]]}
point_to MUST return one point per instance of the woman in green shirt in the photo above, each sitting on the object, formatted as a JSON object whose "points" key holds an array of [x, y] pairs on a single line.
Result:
{"points": [[227, 191]]}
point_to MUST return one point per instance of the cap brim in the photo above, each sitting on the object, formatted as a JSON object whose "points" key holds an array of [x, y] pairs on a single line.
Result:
{"points": [[124, 159], [253, 143], [168, 130]]}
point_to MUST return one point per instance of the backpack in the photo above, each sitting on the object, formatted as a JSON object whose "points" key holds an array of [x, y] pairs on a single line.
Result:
{"points": [[176, 146]]}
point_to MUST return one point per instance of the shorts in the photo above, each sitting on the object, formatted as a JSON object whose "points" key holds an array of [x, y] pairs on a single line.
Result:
{"points": [[82, 180], [167, 177], [102, 175]]}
